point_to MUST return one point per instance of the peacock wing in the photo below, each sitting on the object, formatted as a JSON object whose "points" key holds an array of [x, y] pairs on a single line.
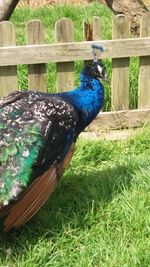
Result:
{"points": [[36, 194], [12, 97], [35, 132]]}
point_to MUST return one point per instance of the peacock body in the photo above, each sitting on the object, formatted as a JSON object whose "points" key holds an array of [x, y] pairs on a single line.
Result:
{"points": [[37, 131]]}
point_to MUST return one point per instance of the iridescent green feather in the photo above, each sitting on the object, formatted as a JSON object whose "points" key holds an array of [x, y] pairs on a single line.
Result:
{"points": [[18, 152]]}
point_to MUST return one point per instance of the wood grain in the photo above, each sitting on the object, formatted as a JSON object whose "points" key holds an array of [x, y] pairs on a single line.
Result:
{"points": [[37, 72], [35, 54], [120, 67], [144, 72], [64, 32], [8, 74], [120, 119], [91, 32], [97, 29]]}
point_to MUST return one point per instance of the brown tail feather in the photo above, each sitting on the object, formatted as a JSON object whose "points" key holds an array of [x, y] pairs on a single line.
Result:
{"points": [[29, 213], [33, 194], [36, 195]]}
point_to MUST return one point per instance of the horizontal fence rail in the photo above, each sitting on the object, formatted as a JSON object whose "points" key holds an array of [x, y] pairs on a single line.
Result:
{"points": [[46, 53], [120, 119]]}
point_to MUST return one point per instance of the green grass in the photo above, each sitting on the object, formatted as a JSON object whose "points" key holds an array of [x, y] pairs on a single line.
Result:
{"points": [[97, 216], [78, 14]]}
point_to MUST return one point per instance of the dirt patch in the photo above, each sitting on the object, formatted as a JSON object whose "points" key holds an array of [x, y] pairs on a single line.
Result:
{"points": [[40, 3], [146, 2]]}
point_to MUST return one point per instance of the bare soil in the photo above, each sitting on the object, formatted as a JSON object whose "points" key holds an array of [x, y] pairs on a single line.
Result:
{"points": [[39, 3]]}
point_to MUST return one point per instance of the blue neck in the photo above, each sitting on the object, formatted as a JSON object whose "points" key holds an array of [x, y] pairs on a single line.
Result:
{"points": [[87, 98]]}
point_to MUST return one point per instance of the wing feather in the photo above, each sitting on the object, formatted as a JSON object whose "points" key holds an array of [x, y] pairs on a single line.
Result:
{"points": [[36, 194], [12, 97]]}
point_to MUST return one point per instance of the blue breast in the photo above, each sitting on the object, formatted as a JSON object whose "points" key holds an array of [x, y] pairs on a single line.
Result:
{"points": [[88, 98]]}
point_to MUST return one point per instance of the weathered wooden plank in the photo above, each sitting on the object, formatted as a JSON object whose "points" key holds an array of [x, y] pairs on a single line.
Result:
{"points": [[120, 119], [91, 32], [144, 72], [87, 35], [34, 54], [37, 72], [64, 32], [120, 67], [97, 29], [8, 74]]}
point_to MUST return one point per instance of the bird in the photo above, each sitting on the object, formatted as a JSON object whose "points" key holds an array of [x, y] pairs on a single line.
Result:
{"points": [[38, 132]]}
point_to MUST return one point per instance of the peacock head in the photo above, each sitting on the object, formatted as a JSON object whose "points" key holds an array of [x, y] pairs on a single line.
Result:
{"points": [[96, 70]]}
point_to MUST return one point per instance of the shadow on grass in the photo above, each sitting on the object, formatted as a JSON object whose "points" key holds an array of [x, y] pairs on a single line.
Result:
{"points": [[71, 204]]}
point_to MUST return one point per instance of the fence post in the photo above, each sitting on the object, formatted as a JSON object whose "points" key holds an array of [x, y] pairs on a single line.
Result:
{"points": [[120, 67], [8, 74], [144, 72], [64, 32], [36, 72], [91, 32]]}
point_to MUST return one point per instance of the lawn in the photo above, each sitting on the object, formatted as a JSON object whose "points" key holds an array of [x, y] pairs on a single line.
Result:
{"points": [[99, 214]]}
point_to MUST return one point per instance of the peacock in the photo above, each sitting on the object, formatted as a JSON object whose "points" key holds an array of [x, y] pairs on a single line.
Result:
{"points": [[38, 132]]}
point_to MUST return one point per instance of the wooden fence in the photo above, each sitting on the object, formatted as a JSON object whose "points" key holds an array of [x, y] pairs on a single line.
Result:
{"points": [[65, 51]]}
